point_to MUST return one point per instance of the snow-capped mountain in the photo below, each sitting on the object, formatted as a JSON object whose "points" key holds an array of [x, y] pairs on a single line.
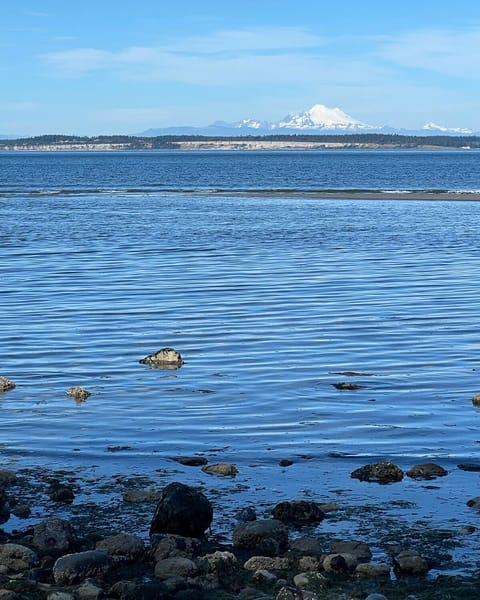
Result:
{"points": [[319, 119], [434, 128]]}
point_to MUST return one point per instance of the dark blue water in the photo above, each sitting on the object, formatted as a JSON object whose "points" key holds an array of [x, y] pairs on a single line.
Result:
{"points": [[270, 300], [200, 171]]}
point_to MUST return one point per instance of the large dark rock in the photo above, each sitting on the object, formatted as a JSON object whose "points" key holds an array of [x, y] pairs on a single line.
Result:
{"points": [[182, 510], [298, 512], [382, 472]]}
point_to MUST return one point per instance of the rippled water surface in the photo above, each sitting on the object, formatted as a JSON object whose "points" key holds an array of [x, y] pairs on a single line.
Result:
{"points": [[270, 301]]}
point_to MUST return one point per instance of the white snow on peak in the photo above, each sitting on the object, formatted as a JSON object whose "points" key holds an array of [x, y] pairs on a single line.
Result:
{"points": [[322, 117], [435, 127], [317, 117]]}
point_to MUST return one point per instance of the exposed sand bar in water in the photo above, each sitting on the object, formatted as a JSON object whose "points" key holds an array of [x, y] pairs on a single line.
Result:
{"points": [[473, 196]]}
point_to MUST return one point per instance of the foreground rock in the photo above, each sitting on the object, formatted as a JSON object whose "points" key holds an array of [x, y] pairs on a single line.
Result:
{"points": [[166, 358], [382, 472], [410, 563], [15, 558], [267, 537], [75, 568], [5, 384], [53, 536], [182, 510]]}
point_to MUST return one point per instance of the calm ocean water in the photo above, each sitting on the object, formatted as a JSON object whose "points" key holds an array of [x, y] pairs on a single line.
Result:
{"points": [[108, 257]]}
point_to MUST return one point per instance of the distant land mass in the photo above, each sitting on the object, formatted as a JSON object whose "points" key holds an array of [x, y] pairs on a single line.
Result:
{"points": [[251, 142]]}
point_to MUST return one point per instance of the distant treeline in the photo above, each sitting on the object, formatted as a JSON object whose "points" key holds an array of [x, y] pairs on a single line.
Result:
{"points": [[170, 141]]}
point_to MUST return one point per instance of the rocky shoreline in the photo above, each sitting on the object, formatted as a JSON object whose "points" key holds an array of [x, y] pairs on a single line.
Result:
{"points": [[159, 542]]}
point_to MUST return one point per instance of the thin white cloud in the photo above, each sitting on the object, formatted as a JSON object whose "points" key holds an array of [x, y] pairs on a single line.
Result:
{"points": [[284, 55], [452, 53], [257, 40]]}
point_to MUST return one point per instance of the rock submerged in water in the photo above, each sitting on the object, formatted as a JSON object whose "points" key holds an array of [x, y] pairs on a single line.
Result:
{"points": [[166, 358], [5, 384], [79, 394], [182, 510], [382, 472], [476, 400]]}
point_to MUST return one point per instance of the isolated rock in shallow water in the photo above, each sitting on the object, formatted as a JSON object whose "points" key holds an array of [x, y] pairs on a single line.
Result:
{"points": [[298, 511], [476, 400], [182, 510], [79, 394], [427, 471], [60, 492], [382, 472], [166, 358], [347, 385], [222, 469], [474, 502], [191, 461], [6, 384]]}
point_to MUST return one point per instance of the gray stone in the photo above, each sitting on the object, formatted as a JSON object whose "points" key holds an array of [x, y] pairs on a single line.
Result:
{"points": [[89, 590], [222, 563], [5, 384], [427, 471], [382, 472], [191, 461], [16, 558], [130, 590], [166, 358], [182, 510], [75, 568], [169, 545], [60, 596], [307, 546], [176, 566], [79, 394], [376, 596], [53, 536], [410, 563], [267, 563], [310, 563], [359, 550], [309, 580], [122, 547], [139, 496], [267, 536], [222, 469], [61, 492], [247, 514]]}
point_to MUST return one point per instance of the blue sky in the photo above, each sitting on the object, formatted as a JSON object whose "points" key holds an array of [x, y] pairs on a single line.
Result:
{"points": [[118, 66]]}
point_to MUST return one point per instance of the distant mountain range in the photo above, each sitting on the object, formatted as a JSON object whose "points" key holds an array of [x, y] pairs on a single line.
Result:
{"points": [[317, 120]]}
